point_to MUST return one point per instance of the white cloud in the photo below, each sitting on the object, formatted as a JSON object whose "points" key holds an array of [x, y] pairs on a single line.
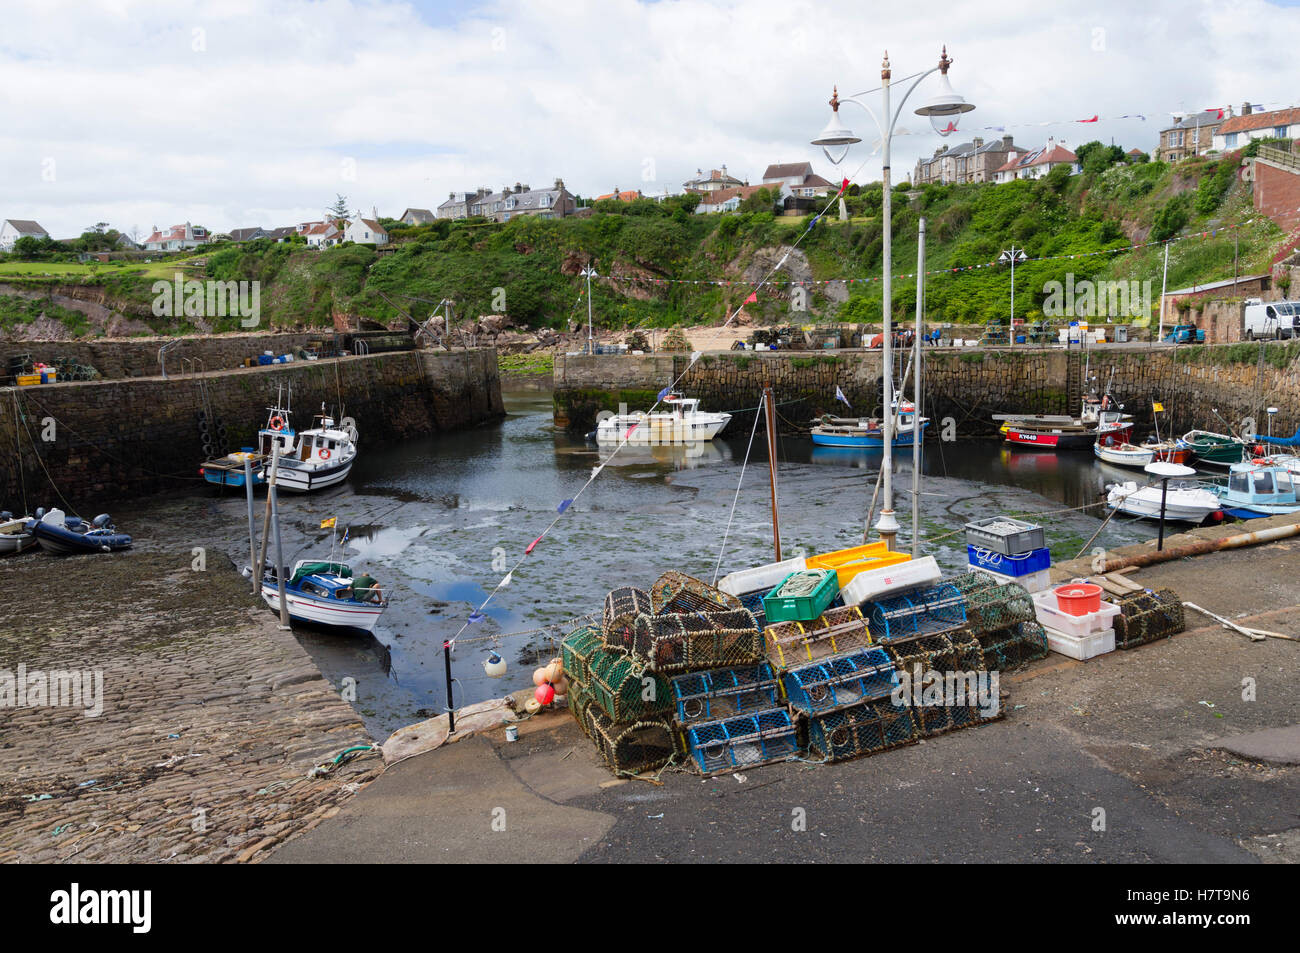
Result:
{"points": [[242, 113]]}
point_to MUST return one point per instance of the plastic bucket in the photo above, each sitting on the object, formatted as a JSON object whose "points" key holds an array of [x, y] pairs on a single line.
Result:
{"points": [[1078, 598]]}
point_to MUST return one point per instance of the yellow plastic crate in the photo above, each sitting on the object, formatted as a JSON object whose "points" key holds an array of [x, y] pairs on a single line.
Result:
{"points": [[27, 380], [847, 563]]}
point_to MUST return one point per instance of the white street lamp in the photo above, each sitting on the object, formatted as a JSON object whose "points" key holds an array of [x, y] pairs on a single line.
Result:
{"points": [[589, 272], [1011, 256], [942, 110]]}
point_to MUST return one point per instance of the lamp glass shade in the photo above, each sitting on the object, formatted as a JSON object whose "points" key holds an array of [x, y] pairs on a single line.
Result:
{"points": [[945, 102], [835, 134]]}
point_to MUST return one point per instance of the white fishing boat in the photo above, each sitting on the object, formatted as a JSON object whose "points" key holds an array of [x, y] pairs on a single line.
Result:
{"points": [[1186, 502], [15, 536], [1137, 456], [310, 459], [681, 422], [327, 593]]}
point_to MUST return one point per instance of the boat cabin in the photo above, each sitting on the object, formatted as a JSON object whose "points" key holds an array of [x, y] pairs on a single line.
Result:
{"points": [[1248, 484]]}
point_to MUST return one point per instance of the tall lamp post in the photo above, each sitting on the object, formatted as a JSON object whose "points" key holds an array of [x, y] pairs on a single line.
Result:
{"points": [[1012, 256], [589, 272], [941, 110]]}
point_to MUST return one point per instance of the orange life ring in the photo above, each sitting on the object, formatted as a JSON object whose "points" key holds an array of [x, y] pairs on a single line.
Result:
{"points": [[277, 423], [324, 453]]}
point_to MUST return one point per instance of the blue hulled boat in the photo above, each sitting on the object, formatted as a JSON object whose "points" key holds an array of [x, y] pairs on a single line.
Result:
{"points": [[1254, 491], [65, 535], [864, 432]]}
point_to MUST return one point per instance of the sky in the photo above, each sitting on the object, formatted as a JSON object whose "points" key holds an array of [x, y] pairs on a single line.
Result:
{"points": [[144, 113]]}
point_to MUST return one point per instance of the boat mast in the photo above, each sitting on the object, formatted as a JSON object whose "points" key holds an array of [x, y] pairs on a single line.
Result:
{"points": [[770, 411], [916, 391]]}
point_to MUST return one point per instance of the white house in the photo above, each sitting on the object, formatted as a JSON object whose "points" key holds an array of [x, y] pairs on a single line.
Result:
{"points": [[1036, 163], [715, 181], [176, 238], [1239, 130], [800, 178], [365, 231], [13, 229], [322, 235]]}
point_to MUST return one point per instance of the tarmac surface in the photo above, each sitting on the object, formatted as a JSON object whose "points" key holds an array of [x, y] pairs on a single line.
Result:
{"points": [[1142, 756]]}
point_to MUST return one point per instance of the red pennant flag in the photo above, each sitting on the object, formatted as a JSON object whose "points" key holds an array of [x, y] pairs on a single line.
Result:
{"points": [[532, 544], [752, 298], [1220, 115], [1093, 119]]}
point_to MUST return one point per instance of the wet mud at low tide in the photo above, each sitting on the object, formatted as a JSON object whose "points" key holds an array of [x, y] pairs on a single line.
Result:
{"points": [[439, 521]]}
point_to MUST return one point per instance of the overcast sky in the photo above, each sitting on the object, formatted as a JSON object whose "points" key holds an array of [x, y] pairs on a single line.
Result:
{"points": [[240, 113]]}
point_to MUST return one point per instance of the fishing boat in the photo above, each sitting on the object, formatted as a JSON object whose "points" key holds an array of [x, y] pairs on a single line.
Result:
{"points": [[1253, 491], [868, 432], [1098, 417], [1186, 502], [681, 422], [327, 593], [65, 535], [1137, 456], [1216, 449], [14, 534], [311, 459]]}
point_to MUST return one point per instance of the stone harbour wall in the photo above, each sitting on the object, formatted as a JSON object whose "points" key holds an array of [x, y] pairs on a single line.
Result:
{"points": [[968, 385], [106, 440]]}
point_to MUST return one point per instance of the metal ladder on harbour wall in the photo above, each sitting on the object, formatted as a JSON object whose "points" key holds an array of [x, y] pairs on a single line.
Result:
{"points": [[1073, 376]]}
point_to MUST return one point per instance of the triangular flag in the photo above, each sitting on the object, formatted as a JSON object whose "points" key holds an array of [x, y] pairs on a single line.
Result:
{"points": [[665, 392], [564, 505], [696, 355], [752, 298], [839, 395], [1093, 119], [509, 578], [532, 544], [595, 471], [475, 617]]}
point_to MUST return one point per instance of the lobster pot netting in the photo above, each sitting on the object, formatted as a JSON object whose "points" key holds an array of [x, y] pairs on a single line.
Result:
{"points": [[918, 612], [683, 642], [998, 607], [622, 606], [742, 741], [840, 681], [971, 582], [621, 687], [948, 682], [837, 630], [1147, 616], [576, 651], [722, 692], [579, 700], [645, 745], [675, 592], [1006, 648], [865, 728]]}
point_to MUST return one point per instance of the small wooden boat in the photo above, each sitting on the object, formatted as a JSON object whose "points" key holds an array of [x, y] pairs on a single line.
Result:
{"points": [[1185, 503], [1254, 491], [65, 535], [867, 432], [229, 470], [1216, 449], [327, 593], [1137, 456], [14, 534]]}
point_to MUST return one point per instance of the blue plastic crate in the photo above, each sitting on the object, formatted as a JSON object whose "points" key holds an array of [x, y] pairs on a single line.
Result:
{"points": [[724, 692], [840, 680], [742, 742], [1021, 565]]}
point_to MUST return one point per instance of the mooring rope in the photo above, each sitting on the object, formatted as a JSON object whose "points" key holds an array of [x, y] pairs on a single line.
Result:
{"points": [[736, 498]]}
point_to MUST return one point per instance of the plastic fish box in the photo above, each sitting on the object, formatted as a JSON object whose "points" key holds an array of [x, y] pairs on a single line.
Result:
{"points": [[1031, 582], [981, 557], [1076, 626], [848, 563], [878, 582], [1005, 535], [1080, 647], [760, 577], [801, 608]]}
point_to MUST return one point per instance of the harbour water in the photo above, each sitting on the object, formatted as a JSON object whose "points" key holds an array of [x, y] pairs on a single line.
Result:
{"points": [[439, 521]]}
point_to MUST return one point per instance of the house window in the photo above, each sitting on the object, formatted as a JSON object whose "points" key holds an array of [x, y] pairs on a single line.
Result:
{"points": [[1176, 138], [1279, 132], [1230, 140]]}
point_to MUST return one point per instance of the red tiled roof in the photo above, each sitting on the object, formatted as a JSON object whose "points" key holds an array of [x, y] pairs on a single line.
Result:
{"points": [[1278, 117]]}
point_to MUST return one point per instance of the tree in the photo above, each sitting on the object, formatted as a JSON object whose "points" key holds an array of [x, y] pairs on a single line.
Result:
{"points": [[27, 247], [339, 209]]}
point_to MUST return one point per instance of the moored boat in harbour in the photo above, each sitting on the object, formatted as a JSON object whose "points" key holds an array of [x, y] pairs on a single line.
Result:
{"points": [[1098, 417], [1216, 449], [65, 535], [868, 432], [681, 422], [327, 593], [15, 534]]}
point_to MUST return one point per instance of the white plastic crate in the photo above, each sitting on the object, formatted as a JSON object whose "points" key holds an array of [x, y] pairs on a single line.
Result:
{"points": [[760, 577], [1033, 582], [879, 582], [1076, 647], [1078, 626]]}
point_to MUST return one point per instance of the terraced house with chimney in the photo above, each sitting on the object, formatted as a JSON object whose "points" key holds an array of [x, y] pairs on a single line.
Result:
{"points": [[1191, 134], [13, 229], [974, 161], [555, 202], [1237, 131]]}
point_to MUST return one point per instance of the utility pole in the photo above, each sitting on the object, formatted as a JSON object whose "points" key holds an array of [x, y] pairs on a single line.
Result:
{"points": [[589, 272]]}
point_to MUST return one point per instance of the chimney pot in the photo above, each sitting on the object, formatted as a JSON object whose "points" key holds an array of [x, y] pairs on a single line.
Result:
{"points": [[1246, 109]]}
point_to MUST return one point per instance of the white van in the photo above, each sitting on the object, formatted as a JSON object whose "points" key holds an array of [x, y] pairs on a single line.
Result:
{"points": [[1273, 319]]}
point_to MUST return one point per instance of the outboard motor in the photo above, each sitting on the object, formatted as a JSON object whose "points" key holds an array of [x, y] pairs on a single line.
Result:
{"points": [[6, 515], [72, 522], [103, 521], [40, 512]]}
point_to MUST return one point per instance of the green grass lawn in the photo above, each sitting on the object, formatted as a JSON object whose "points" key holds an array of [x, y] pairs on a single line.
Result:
{"points": [[157, 269]]}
